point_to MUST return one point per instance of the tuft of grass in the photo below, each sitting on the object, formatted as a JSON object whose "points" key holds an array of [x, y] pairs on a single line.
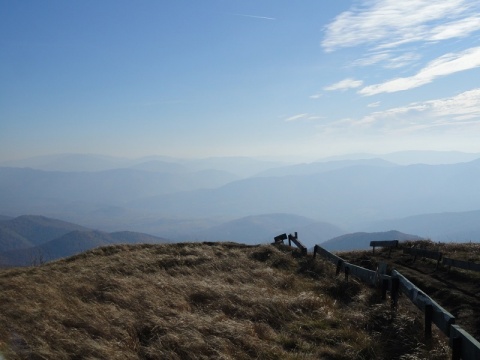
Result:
{"points": [[197, 301]]}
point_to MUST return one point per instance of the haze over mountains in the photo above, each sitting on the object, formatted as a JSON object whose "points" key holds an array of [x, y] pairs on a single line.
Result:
{"points": [[250, 199], [30, 240]]}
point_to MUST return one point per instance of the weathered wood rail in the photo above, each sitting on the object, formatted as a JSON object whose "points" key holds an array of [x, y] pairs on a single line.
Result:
{"points": [[368, 276], [291, 238], [429, 254], [465, 265], [464, 346], [433, 312]]}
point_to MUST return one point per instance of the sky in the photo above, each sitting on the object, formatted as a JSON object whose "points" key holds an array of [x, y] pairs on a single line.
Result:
{"points": [[270, 78]]}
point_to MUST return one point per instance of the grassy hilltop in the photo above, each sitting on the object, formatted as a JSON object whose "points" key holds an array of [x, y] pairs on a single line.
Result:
{"points": [[201, 301]]}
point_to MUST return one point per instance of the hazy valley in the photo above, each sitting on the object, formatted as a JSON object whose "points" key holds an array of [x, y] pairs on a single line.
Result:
{"points": [[251, 200]]}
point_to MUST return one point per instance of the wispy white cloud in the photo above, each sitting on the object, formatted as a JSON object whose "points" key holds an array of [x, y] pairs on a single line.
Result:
{"points": [[390, 23], [374, 105], [304, 116], [456, 29], [344, 85], [459, 113], [315, 96], [297, 117], [388, 59], [371, 59], [402, 60], [456, 111], [442, 66], [257, 17]]}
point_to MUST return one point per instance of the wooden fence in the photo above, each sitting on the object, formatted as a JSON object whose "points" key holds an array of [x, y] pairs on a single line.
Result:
{"points": [[465, 265], [434, 255], [384, 243], [291, 238], [438, 256], [463, 345]]}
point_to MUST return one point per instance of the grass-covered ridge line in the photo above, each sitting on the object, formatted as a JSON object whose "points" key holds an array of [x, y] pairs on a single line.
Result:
{"points": [[199, 301]]}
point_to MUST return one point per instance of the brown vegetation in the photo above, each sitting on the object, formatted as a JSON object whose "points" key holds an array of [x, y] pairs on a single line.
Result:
{"points": [[457, 290], [200, 301]]}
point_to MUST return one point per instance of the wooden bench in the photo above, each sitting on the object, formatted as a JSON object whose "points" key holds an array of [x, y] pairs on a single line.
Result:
{"points": [[384, 243], [279, 238]]}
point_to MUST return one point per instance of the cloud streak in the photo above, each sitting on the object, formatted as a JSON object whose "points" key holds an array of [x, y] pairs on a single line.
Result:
{"points": [[460, 111], [387, 24], [444, 65], [256, 17], [457, 114], [345, 84], [296, 117]]}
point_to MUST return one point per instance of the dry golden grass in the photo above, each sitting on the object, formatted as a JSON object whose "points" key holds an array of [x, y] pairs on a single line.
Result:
{"points": [[200, 301]]}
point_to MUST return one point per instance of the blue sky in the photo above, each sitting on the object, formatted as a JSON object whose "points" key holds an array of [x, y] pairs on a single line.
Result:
{"points": [[249, 77]]}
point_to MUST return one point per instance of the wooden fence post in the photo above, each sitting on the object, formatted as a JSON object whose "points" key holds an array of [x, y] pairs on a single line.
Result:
{"points": [[339, 267], [428, 322], [395, 291], [456, 348], [347, 272], [384, 289]]}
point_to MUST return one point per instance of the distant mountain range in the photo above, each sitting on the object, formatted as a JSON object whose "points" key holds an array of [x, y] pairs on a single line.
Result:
{"points": [[30, 240], [261, 229], [445, 227], [361, 240], [191, 199], [239, 166], [322, 167], [350, 195]]}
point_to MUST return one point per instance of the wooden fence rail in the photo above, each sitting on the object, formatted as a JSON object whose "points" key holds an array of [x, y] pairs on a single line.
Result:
{"points": [[463, 345], [466, 265], [435, 255], [434, 312], [291, 238], [294, 239]]}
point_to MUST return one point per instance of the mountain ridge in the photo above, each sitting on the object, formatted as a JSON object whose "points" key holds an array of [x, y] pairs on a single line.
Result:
{"points": [[361, 240], [29, 239]]}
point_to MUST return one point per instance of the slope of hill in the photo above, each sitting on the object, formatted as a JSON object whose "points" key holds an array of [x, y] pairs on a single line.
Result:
{"points": [[413, 157], [31, 230], [200, 301], [261, 229], [73, 243], [323, 166], [258, 229], [447, 227], [318, 232], [361, 240]]}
